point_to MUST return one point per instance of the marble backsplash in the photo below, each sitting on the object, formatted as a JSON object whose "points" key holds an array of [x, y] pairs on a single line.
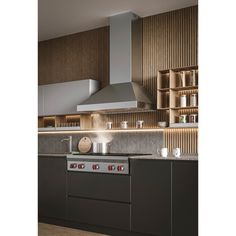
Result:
{"points": [[144, 142]]}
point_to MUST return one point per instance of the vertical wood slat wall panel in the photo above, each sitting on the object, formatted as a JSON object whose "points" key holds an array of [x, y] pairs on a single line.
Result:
{"points": [[185, 139], [169, 41], [150, 119]]}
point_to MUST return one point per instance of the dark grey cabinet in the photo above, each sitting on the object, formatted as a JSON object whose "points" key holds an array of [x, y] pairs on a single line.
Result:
{"points": [[164, 197], [159, 197], [99, 199], [185, 198], [99, 186], [52, 187], [151, 197], [96, 212]]}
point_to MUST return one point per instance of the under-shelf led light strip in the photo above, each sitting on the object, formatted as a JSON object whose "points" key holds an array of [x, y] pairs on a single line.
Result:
{"points": [[101, 131], [170, 130]]}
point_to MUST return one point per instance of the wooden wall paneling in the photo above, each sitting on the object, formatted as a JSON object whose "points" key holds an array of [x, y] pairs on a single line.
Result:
{"points": [[79, 56], [103, 62], [169, 41], [150, 118], [185, 139], [85, 121]]}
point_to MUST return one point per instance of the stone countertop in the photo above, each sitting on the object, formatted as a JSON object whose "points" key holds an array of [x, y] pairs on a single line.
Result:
{"points": [[52, 154], [144, 157], [170, 158]]}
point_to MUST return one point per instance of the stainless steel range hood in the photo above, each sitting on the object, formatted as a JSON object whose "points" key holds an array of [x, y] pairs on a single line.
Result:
{"points": [[125, 92]]}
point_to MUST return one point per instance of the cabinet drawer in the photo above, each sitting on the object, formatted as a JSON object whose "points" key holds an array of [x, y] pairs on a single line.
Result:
{"points": [[99, 186], [103, 213]]}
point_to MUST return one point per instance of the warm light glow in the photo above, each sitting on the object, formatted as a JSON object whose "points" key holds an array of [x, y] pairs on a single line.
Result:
{"points": [[102, 131], [73, 117], [49, 117], [170, 130]]}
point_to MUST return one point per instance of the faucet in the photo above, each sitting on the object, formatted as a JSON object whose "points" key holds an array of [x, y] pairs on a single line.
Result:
{"points": [[69, 139]]}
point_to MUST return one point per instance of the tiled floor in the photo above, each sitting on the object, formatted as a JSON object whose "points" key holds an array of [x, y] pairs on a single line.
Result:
{"points": [[53, 230]]}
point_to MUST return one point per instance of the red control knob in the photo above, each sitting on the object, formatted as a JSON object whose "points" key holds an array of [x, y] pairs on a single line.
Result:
{"points": [[81, 166], [111, 167], [95, 167], [120, 168], [73, 165]]}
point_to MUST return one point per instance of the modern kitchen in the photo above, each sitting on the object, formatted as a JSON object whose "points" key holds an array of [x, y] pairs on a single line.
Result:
{"points": [[118, 118]]}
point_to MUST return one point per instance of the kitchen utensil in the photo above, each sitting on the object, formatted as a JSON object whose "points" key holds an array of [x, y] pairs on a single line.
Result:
{"points": [[162, 124], [163, 152], [176, 152], [193, 100], [109, 125], [193, 118], [124, 124], [183, 118], [139, 124], [103, 147], [183, 100], [84, 144]]}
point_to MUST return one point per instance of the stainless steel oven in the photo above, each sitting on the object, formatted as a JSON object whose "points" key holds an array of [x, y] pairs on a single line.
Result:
{"points": [[110, 163]]}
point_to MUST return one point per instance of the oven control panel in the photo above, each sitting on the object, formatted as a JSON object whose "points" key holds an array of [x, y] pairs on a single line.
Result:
{"points": [[99, 167]]}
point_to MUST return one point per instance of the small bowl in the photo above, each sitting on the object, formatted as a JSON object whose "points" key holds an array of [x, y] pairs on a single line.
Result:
{"points": [[162, 124]]}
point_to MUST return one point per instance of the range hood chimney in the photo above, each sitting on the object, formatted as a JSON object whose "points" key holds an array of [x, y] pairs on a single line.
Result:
{"points": [[125, 92]]}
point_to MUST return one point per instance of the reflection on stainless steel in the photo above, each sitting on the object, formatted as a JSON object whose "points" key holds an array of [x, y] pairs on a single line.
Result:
{"points": [[109, 125], [125, 90], [103, 147], [113, 163], [69, 139], [124, 124], [139, 124]]}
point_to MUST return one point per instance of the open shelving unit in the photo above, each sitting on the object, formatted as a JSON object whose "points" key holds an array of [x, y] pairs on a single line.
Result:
{"points": [[170, 87], [53, 123]]}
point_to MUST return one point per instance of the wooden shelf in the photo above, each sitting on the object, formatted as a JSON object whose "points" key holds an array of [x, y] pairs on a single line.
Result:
{"points": [[183, 108], [163, 89], [55, 131], [184, 88], [163, 108], [157, 129], [59, 128], [65, 122], [171, 85], [184, 125]]}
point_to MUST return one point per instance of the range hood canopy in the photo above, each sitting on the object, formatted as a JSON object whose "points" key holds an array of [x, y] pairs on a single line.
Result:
{"points": [[125, 92], [118, 97]]}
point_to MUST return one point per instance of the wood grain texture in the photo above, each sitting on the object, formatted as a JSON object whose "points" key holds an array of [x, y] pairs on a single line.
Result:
{"points": [[79, 56], [185, 139], [169, 41], [54, 230], [150, 119]]}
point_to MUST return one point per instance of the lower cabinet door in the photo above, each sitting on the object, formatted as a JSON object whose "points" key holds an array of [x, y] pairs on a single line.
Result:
{"points": [[185, 198], [151, 197], [52, 187], [96, 212]]}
